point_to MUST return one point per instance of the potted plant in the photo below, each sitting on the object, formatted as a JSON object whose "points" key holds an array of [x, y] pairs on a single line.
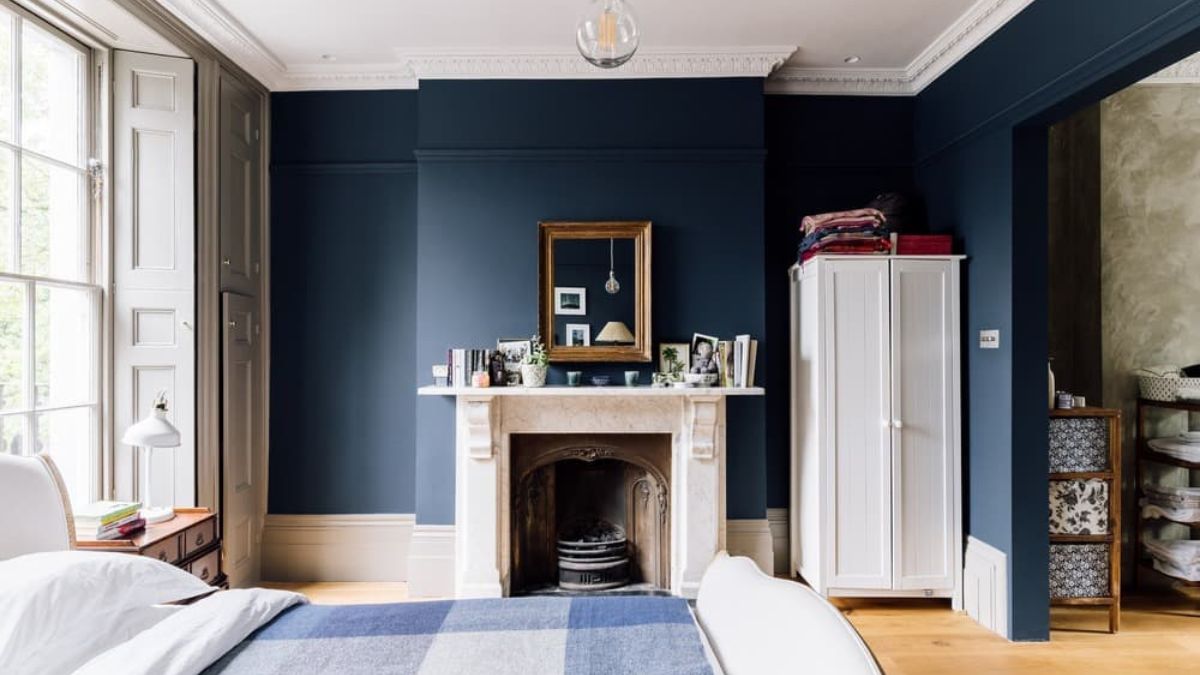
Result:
{"points": [[535, 363]]}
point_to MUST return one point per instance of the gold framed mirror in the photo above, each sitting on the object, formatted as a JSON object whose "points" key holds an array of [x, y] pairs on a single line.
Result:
{"points": [[594, 298]]}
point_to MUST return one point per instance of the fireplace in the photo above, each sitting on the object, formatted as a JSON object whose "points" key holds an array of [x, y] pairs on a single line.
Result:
{"points": [[590, 512]]}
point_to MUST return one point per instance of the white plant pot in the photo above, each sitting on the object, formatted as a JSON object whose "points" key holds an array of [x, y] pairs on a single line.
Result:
{"points": [[533, 376]]}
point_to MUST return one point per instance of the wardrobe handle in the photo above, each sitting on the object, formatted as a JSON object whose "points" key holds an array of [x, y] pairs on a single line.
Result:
{"points": [[898, 424], [887, 424]]}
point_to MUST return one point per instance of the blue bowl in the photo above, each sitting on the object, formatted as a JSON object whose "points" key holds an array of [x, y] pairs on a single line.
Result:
{"points": [[601, 380]]}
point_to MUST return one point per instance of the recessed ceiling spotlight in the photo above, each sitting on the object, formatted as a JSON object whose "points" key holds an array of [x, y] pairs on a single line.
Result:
{"points": [[329, 57], [852, 59]]}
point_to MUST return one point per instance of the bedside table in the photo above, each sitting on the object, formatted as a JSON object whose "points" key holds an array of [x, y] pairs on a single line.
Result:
{"points": [[189, 541]]}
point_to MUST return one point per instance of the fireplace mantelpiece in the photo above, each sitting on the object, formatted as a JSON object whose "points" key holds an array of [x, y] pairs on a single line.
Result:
{"points": [[486, 418]]}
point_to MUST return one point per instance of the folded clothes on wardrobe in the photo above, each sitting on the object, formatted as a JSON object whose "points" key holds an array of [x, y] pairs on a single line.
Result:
{"points": [[1177, 557], [862, 231]]}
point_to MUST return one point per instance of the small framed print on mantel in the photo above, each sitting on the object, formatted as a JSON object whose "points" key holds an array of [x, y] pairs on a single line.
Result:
{"points": [[570, 300]]}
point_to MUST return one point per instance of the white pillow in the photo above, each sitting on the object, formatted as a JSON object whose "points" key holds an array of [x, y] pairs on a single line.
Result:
{"points": [[59, 609]]}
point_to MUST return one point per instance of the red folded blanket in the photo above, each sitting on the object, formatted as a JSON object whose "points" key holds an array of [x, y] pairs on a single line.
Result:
{"points": [[851, 246], [855, 218]]}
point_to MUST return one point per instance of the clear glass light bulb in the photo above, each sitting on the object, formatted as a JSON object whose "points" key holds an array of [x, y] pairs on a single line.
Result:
{"points": [[612, 286], [607, 33]]}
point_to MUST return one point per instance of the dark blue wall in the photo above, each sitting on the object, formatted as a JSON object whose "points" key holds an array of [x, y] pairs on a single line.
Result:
{"points": [[343, 302], [824, 153], [980, 147], [685, 154]]}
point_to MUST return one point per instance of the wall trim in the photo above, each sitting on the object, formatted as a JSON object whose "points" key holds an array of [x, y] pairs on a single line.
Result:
{"points": [[342, 547], [1186, 71], [751, 538], [431, 562], [685, 155], [344, 167], [985, 586], [777, 522], [968, 32]]}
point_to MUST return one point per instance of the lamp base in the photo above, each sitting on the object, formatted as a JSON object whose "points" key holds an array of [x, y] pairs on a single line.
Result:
{"points": [[158, 514]]}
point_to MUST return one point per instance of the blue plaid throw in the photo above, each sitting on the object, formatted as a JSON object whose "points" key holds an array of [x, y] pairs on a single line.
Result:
{"points": [[618, 634]]}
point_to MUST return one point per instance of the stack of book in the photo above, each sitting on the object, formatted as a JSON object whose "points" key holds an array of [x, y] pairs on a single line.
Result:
{"points": [[463, 362], [738, 358], [109, 520]]}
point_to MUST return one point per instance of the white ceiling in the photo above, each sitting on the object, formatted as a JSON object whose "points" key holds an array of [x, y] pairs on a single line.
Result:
{"points": [[331, 44], [107, 23]]}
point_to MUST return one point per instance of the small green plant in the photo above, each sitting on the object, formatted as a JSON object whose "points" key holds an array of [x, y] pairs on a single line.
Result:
{"points": [[537, 355], [674, 365]]}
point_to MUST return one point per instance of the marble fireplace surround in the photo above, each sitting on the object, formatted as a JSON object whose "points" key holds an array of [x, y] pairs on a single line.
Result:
{"points": [[486, 419]]}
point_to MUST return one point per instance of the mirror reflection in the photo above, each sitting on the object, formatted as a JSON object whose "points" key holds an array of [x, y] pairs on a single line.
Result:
{"points": [[595, 292]]}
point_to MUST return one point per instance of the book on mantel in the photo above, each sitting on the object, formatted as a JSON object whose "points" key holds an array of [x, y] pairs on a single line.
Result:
{"points": [[109, 519]]}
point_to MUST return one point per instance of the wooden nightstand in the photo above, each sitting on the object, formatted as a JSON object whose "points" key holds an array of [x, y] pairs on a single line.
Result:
{"points": [[189, 541]]}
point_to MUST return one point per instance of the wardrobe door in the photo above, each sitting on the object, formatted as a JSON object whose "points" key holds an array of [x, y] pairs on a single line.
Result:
{"points": [[923, 347], [241, 188], [857, 422]]}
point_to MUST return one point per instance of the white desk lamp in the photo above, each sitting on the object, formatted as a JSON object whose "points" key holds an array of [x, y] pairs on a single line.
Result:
{"points": [[154, 431]]}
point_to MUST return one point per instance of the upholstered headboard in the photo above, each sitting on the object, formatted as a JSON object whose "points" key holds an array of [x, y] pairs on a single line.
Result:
{"points": [[37, 511]]}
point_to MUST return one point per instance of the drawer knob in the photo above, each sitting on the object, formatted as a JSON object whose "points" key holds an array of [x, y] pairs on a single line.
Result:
{"points": [[162, 555], [204, 573], [200, 539]]}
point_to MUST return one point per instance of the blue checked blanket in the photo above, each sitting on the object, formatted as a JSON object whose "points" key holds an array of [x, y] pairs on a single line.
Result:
{"points": [[525, 636]]}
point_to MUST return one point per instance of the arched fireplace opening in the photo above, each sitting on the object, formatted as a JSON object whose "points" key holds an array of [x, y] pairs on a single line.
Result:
{"points": [[590, 513]]}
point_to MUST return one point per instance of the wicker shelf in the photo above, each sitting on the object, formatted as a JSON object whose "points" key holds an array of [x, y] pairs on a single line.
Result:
{"points": [[1190, 406], [1146, 454]]}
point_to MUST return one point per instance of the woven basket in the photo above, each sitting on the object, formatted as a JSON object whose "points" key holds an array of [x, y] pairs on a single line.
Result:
{"points": [[1165, 388]]}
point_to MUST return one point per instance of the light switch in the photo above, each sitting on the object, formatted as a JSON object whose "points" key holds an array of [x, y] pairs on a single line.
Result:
{"points": [[989, 339]]}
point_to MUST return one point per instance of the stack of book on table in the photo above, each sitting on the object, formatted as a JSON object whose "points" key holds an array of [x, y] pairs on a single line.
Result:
{"points": [[109, 520]]}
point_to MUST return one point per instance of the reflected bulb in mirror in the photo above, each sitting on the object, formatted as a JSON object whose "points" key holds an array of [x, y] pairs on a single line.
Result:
{"points": [[611, 285], [607, 33]]}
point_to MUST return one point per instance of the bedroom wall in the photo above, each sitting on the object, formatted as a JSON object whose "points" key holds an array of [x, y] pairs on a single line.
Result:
{"points": [[343, 302], [980, 147], [685, 154]]}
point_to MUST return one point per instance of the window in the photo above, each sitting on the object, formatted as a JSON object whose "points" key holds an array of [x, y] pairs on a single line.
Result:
{"points": [[50, 335]]}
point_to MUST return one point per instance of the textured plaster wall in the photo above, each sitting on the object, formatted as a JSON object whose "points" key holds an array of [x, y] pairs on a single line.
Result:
{"points": [[1150, 247]]}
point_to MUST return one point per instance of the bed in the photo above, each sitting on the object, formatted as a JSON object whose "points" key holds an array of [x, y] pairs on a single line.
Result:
{"points": [[94, 613]]}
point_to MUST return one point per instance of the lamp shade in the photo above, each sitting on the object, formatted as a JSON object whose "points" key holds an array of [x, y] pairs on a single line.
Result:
{"points": [[615, 332], [154, 431]]}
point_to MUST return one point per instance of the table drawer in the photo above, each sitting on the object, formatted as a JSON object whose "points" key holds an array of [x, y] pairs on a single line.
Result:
{"points": [[208, 567], [199, 536], [167, 550]]}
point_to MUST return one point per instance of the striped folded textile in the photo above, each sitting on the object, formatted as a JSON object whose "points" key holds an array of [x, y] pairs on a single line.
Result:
{"points": [[588, 634], [836, 219]]}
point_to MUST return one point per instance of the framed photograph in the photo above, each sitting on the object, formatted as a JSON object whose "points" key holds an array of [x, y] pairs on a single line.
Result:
{"points": [[570, 300], [704, 354], [674, 357], [579, 335], [514, 350]]}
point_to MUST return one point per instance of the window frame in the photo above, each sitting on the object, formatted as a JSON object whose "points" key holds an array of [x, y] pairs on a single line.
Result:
{"points": [[94, 250]]}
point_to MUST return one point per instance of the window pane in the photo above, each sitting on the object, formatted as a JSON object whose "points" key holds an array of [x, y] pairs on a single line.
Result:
{"points": [[12, 346], [8, 76], [7, 261], [64, 344], [68, 437], [52, 233], [51, 101], [13, 434]]}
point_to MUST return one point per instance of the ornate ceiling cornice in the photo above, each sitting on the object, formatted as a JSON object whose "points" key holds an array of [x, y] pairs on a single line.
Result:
{"points": [[972, 28]]}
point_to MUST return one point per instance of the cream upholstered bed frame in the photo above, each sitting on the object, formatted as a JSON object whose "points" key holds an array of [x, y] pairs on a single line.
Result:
{"points": [[37, 509], [758, 624]]}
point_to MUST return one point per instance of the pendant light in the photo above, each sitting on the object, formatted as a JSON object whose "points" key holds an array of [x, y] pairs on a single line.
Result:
{"points": [[612, 286], [607, 34]]}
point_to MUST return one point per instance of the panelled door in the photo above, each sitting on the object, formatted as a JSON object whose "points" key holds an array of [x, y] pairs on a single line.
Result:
{"points": [[923, 433], [241, 188], [857, 358], [242, 474]]}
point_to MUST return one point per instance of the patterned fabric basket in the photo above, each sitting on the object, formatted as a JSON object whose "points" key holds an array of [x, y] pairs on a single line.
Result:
{"points": [[1078, 444], [1079, 570], [1154, 388]]}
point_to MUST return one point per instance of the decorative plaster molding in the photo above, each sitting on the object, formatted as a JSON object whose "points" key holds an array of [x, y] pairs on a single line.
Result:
{"points": [[691, 62], [213, 23], [1186, 71], [969, 31], [478, 425], [704, 425]]}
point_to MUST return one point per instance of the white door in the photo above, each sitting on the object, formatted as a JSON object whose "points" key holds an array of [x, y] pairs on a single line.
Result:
{"points": [[241, 459], [241, 188], [922, 404], [857, 360], [154, 264]]}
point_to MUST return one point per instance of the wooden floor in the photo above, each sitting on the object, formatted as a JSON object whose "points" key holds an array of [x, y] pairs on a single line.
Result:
{"points": [[1159, 635]]}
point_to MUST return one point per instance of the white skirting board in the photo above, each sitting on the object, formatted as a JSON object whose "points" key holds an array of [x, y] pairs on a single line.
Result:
{"points": [[431, 562], [985, 586], [751, 538], [342, 547], [777, 521]]}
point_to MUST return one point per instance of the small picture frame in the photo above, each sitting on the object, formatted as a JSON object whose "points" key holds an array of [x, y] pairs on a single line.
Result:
{"points": [[514, 351], [674, 357], [579, 335], [570, 300], [711, 356]]}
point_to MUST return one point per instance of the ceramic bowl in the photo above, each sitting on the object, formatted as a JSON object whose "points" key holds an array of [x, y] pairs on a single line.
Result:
{"points": [[601, 380], [700, 379]]}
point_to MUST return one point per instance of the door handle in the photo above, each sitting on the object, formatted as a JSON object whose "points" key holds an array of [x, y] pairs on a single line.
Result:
{"points": [[897, 424]]}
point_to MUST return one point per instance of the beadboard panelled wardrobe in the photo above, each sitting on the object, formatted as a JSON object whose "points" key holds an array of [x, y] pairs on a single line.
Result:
{"points": [[876, 498]]}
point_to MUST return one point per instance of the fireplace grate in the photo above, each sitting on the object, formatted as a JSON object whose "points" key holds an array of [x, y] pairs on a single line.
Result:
{"points": [[592, 556]]}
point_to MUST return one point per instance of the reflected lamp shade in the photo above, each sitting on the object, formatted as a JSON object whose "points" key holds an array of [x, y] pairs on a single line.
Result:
{"points": [[615, 332]]}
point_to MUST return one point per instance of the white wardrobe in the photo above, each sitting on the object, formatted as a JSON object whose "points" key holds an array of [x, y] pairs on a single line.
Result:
{"points": [[876, 472]]}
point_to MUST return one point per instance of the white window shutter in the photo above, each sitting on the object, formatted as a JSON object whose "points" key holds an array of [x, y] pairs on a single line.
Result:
{"points": [[154, 264]]}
